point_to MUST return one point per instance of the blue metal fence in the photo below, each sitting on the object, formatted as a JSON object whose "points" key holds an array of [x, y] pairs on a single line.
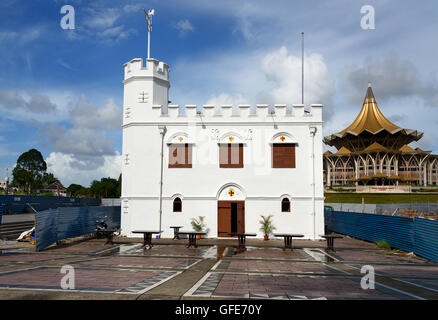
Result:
{"points": [[19, 204], [1, 211], [62, 223], [413, 235], [426, 238]]}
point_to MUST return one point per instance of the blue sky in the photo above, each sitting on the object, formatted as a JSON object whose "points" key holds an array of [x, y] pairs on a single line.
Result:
{"points": [[61, 90]]}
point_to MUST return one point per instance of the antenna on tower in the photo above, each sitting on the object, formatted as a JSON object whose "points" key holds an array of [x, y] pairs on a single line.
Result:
{"points": [[148, 15]]}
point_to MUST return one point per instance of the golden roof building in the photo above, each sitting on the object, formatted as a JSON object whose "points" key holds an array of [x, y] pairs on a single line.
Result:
{"points": [[373, 154]]}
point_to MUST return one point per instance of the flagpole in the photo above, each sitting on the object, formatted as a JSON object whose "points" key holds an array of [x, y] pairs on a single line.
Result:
{"points": [[302, 67]]}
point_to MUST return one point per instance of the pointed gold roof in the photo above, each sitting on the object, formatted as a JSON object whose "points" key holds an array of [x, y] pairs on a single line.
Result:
{"points": [[375, 147], [407, 149], [370, 118], [343, 151]]}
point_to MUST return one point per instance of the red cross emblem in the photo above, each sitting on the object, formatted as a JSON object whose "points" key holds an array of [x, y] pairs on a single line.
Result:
{"points": [[231, 192]]}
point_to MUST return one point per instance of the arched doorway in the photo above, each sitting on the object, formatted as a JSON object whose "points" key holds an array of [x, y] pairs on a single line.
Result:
{"points": [[230, 210]]}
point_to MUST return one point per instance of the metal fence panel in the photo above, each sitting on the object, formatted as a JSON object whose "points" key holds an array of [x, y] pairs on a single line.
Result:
{"points": [[69, 222], [397, 231], [419, 207], [1, 211], [111, 202], [19, 204], [426, 238], [45, 229]]}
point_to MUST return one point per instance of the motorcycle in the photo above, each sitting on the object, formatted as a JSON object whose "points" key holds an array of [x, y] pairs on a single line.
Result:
{"points": [[100, 227]]}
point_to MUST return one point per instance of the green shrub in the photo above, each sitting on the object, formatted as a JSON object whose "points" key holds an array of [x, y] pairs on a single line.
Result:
{"points": [[198, 224], [383, 244]]}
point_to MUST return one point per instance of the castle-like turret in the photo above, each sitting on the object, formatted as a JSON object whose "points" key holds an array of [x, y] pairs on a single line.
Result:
{"points": [[145, 88]]}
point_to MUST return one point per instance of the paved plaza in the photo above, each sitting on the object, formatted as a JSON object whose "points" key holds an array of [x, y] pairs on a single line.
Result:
{"points": [[214, 270]]}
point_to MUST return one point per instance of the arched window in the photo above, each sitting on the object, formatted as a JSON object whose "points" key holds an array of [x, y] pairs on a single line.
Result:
{"points": [[285, 205], [177, 205]]}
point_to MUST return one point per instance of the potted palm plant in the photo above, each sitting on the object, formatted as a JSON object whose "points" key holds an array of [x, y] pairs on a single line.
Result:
{"points": [[198, 225], [266, 226]]}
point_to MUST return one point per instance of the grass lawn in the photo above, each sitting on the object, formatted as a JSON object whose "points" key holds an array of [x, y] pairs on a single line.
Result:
{"points": [[372, 198]]}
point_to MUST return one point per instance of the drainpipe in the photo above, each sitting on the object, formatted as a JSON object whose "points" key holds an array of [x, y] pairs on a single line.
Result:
{"points": [[312, 133], [163, 131]]}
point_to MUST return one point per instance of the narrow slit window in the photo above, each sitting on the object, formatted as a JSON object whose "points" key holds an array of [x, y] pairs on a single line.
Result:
{"points": [[177, 205], [285, 205]]}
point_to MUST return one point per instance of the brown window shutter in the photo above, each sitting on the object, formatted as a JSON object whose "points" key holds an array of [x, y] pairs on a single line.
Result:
{"points": [[231, 155], [180, 156], [223, 155], [283, 155]]}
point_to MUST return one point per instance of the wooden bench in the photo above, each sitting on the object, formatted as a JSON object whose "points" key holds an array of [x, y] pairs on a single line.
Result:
{"points": [[192, 237], [241, 239], [175, 232], [147, 237], [288, 239], [331, 240]]}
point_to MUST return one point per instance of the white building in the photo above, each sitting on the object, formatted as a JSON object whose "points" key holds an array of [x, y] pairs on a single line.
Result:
{"points": [[229, 164], [4, 183]]}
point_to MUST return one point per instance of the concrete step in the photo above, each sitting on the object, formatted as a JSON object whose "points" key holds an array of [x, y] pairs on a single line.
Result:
{"points": [[16, 226], [11, 231]]}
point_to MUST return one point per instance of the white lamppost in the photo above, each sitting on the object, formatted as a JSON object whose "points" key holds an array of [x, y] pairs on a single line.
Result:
{"points": [[163, 131], [312, 134]]}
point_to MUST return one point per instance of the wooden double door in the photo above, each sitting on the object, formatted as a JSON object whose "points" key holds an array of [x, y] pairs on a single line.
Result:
{"points": [[230, 217]]}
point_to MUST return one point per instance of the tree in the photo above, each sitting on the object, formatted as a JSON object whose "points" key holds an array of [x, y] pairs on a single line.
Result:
{"points": [[74, 190], [29, 171], [105, 188], [49, 178]]}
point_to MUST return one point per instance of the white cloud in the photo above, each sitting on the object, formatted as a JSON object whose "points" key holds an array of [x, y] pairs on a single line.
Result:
{"points": [[255, 77], [184, 26], [226, 99], [31, 35], [101, 24], [115, 34], [27, 105], [129, 8], [84, 147], [64, 64], [101, 19], [284, 70], [23, 37], [86, 115], [63, 166]]}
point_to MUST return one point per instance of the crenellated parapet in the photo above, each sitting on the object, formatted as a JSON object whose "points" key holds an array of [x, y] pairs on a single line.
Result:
{"points": [[264, 112], [153, 68]]}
